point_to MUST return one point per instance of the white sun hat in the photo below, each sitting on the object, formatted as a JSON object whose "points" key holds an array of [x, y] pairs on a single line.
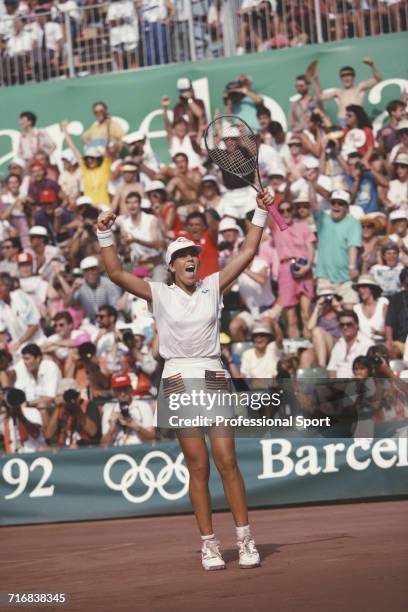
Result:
{"points": [[178, 245]]}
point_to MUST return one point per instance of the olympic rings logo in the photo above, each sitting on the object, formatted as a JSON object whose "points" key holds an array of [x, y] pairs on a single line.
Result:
{"points": [[151, 480]]}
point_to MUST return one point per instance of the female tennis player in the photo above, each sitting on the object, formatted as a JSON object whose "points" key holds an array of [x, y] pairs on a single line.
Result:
{"points": [[187, 319]]}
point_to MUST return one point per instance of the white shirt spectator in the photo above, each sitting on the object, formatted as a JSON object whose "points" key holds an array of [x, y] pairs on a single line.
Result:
{"points": [[368, 326], [253, 366], [154, 10], [341, 359], [19, 44], [53, 35], [70, 7], [45, 385], [5, 228], [397, 194], [35, 287], [185, 146], [140, 411], [144, 231], [387, 278], [395, 238], [61, 352], [126, 33], [255, 295], [112, 351], [17, 316]]}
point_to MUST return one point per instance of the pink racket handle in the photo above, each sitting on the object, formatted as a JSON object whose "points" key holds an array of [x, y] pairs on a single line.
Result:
{"points": [[277, 218]]}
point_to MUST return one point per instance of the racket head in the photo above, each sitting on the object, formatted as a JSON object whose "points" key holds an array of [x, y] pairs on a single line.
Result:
{"points": [[232, 145]]}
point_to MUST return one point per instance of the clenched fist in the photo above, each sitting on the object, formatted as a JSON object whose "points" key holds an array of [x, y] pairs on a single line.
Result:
{"points": [[106, 220], [264, 199]]}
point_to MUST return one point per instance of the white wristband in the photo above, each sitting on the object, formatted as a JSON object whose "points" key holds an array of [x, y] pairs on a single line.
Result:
{"points": [[259, 218], [105, 238]]}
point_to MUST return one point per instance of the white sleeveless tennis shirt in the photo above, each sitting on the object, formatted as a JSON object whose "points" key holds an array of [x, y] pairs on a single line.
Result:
{"points": [[188, 325]]}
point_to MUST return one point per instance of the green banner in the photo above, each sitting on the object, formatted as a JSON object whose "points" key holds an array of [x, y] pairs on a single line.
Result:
{"points": [[117, 482], [135, 96]]}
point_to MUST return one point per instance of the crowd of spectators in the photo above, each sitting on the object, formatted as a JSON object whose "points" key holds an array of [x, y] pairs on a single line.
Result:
{"points": [[43, 39], [79, 359]]}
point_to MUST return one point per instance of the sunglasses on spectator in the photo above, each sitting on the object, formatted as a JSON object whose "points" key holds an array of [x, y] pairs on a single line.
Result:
{"points": [[302, 205], [284, 209], [350, 324], [368, 225], [339, 202], [101, 316], [401, 166]]}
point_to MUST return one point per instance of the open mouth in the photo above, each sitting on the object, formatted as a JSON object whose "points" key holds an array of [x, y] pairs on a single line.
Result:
{"points": [[190, 268]]}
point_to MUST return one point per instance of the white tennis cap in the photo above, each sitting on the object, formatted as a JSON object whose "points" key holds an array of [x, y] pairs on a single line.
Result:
{"points": [[83, 200], [341, 194], [311, 162], [38, 230], [155, 186], [230, 131], [396, 215], [178, 245], [183, 84], [68, 155], [227, 223], [17, 161], [94, 151], [134, 137], [89, 262], [403, 124]]}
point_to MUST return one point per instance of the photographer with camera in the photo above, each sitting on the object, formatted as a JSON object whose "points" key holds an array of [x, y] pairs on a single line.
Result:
{"points": [[360, 181], [190, 107], [84, 365], [75, 422], [239, 99], [20, 427], [84, 242], [140, 359], [126, 420], [391, 391]]}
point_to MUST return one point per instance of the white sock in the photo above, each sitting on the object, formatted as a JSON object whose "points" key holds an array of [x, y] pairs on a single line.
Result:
{"points": [[208, 537], [242, 532]]}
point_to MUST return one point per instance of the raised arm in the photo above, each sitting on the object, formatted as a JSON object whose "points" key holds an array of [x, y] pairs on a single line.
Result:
{"points": [[70, 142], [113, 266], [251, 243]]}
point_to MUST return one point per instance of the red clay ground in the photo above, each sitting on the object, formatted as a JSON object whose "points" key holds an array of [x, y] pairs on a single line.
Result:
{"points": [[347, 558]]}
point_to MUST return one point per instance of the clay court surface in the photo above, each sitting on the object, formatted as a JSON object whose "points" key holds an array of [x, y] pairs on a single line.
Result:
{"points": [[348, 558]]}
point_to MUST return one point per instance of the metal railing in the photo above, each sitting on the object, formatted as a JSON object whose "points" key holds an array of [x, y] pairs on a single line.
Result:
{"points": [[123, 35]]}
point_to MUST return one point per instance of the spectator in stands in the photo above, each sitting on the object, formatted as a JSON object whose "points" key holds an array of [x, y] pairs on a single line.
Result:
{"points": [[239, 99], [83, 365], [140, 359], [44, 253], [124, 33], [184, 183], [32, 284], [140, 233], [48, 40], [13, 203], [17, 55], [370, 242], [104, 129], [39, 183], [261, 361], [402, 145], [62, 341], [32, 139], [21, 427], [301, 109], [360, 182], [350, 93], [75, 422], [18, 315], [399, 225], [210, 193], [351, 344], [296, 252], [190, 107], [170, 225], [126, 420], [84, 242], [231, 236], [203, 231], [179, 138], [324, 328], [397, 188], [388, 136], [39, 378], [387, 273], [295, 159], [54, 218], [359, 131], [95, 290], [339, 237], [110, 350], [156, 18], [70, 179], [95, 166], [372, 308], [396, 323], [10, 249], [130, 183]]}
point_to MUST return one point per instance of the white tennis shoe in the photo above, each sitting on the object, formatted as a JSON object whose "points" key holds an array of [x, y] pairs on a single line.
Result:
{"points": [[248, 553], [211, 557]]}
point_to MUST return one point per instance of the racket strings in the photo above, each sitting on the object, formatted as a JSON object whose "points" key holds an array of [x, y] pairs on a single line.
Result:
{"points": [[232, 145]]}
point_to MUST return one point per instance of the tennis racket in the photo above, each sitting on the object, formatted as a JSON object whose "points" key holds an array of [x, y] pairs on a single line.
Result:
{"points": [[232, 145]]}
